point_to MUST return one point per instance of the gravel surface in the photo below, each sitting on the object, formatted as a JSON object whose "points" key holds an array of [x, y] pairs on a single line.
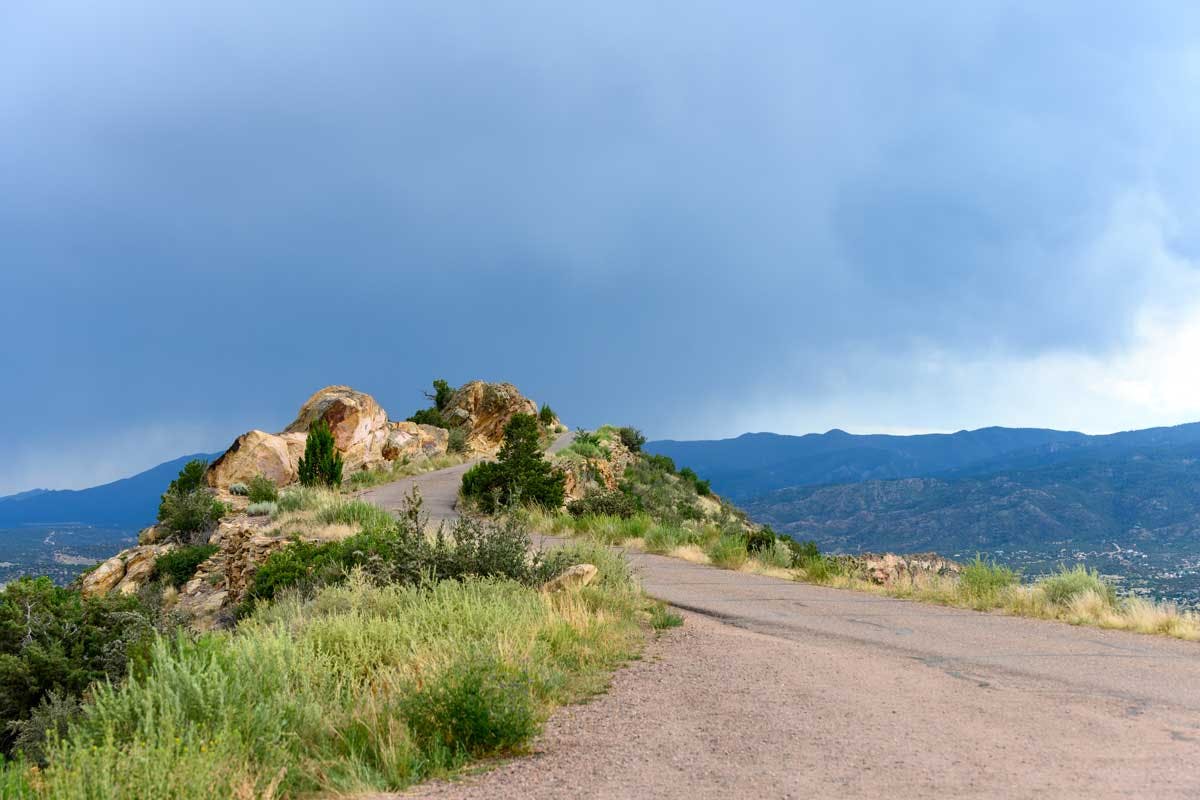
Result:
{"points": [[780, 689]]}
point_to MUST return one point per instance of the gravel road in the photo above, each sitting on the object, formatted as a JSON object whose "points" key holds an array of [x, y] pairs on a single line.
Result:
{"points": [[780, 689]]}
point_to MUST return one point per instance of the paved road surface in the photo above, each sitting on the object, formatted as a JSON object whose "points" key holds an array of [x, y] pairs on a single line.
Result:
{"points": [[782, 689]]}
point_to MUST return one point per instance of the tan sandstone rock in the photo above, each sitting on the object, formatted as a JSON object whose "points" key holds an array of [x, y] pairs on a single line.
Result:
{"points": [[126, 572], [483, 409], [572, 578], [361, 432]]}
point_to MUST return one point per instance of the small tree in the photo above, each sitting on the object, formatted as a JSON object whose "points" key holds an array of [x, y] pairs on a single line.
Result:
{"points": [[520, 472], [442, 392], [187, 507], [321, 464], [546, 415], [632, 438]]}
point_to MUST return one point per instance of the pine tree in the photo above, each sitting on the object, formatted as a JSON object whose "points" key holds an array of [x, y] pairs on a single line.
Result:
{"points": [[321, 464], [520, 472]]}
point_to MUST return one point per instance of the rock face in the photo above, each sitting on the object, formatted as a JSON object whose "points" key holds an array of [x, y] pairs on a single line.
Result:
{"points": [[595, 474], [483, 409], [888, 568], [361, 433], [125, 572], [572, 578]]}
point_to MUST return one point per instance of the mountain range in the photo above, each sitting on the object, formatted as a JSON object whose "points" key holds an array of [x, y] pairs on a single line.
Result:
{"points": [[129, 502]]}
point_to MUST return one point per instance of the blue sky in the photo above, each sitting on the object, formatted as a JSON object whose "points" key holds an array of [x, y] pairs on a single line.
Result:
{"points": [[700, 218]]}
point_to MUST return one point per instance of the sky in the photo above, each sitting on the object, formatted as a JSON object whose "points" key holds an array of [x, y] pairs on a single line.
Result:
{"points": [[700, 218]]}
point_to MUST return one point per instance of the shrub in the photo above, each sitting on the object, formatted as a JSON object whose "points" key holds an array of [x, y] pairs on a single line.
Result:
{"points": [[1068, 583], [263, 509], [189, 512], [357, 513], [239, 489], [663, 463], [302, 565], [429, 416], [586, 450], [262, 490], [441, 396], [299, 498], [729, 551], [777, 554], [632, 438], [820, 568], [702, 487], [51, 638], [982, 581], [546, 415], [612, 504], [191, 477], [478, 707], [761, 539], [178, 566], [801, 551], [52, 716], [458, 441], [321, 464], [520, 474]]}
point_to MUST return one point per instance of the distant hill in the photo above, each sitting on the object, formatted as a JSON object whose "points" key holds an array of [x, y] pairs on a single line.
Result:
{"points": [[128, 502], [756, 463], [1148, 499]]}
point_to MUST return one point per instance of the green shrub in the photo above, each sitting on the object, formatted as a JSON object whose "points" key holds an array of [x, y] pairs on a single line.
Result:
{"points": [[51, 638], [189, 512], [357, 513], [982, 581], [761, 539], [262, 490], [52, 716], [239, 489], [632, 438], [178, 566], [478, 707], [801, 551], [458, 441], [586, 449], [729, 551], [303, 565], [429, 416], [191, 477], [1070, 582], [546, 415], [777, 555], [263, 509], [519, 475], [702, 487], [612, 504], [662, 463], [442, 394], [665, 538], [321, 464]]}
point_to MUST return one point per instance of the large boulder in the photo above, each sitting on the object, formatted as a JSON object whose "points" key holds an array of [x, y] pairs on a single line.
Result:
{"points": [[125, 572], [483, 409], [258, 453], [361, 432]]}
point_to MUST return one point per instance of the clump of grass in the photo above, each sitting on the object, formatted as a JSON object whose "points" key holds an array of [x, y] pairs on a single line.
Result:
{"points": [[262, 489], [356, 513], [303, 498], [777, 555], [265, 508], [239, 488], [1069, 582], [981, 582], [662, 617], [728, 551]]}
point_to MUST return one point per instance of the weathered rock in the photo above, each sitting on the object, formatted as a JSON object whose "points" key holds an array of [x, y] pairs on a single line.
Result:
{"points": [[572, 578], [126, 572], [276, 456], [595, 474], [361, 432], [888, 568], [483, 409]]}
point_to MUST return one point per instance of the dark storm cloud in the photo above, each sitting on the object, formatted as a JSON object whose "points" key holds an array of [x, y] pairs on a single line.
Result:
{"points": [[628, 209]]}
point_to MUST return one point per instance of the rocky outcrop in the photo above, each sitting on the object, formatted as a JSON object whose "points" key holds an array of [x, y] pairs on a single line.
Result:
{"points": [[361, 431], [587, 475], [126, 572], [483, 409], [888, 568], [572, 578]]}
